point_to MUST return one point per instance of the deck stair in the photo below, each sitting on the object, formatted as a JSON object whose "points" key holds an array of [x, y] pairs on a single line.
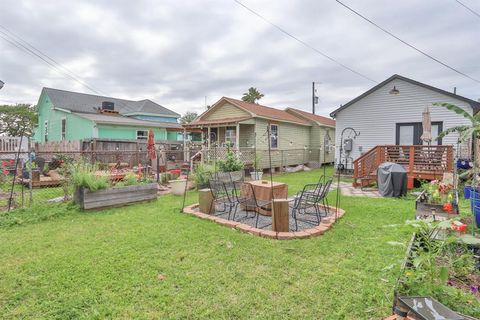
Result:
{"points": [[420, 161]]}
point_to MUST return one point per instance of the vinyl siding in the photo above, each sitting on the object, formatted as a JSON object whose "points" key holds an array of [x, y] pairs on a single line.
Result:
{"points": [[376, 115], [77, 128], [225, 111]]}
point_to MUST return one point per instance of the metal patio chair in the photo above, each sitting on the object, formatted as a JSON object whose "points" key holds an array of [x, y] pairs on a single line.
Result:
{"points": [[245, 197], [221, 197], [306, 199]]}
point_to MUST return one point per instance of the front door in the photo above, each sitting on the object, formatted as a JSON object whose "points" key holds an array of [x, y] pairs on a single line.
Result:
{"points": [[410, 133]]}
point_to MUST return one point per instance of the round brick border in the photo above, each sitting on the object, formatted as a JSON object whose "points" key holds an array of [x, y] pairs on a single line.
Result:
{"points": [[325, 225]]}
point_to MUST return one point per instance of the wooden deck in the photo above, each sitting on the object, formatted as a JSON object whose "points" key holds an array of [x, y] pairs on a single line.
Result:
{"points": [[420, 161]]}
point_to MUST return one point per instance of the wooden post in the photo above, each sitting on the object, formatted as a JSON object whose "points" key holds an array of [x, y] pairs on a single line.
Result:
{"points": [[280, 215], [205, 201], [411, 162]]}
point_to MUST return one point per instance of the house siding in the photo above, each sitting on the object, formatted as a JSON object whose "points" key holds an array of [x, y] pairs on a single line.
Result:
{"points": [[123, 132], [77, 128], [376, 115], [225, 111]]}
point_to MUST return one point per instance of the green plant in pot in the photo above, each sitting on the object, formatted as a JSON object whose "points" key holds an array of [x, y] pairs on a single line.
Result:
{"points": [[231, 162], [201, 175], [257, 173]]}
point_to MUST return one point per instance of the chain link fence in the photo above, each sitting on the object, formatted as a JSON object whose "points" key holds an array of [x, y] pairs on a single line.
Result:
{"points": [[44, 177]]}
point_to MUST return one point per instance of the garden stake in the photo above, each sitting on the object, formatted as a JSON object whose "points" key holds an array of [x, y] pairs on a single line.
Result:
{"points": [[15, 173]]}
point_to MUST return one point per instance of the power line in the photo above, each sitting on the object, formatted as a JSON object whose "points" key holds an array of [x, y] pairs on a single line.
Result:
{"points": [[11, 38], [30, 49], [304, 43], [408, 44], [468, 8]]}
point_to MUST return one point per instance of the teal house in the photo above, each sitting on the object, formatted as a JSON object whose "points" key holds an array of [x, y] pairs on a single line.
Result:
{"points": [[66, 115]]}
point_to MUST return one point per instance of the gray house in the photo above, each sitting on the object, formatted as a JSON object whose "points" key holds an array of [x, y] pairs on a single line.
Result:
{"points": [[390, 113]]}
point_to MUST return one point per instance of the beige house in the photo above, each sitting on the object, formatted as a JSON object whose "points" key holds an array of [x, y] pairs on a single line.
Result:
{"points": [[296, 136]]}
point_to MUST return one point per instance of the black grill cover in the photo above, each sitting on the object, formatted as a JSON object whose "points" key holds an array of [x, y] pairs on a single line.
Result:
{"points": [[391, 180]]}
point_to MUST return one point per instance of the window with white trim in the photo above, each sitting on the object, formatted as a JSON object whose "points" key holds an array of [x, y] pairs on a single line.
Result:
{"points": [[64, 128], [45, 130], [274, 136], [142, 134]]}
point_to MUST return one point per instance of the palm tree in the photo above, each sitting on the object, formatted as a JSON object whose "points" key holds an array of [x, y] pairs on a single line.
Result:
{"points": [[465, 131], [252, 96]]}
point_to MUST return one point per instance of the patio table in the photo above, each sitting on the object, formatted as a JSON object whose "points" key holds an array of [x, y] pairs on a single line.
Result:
{"points": [[263, 191]]}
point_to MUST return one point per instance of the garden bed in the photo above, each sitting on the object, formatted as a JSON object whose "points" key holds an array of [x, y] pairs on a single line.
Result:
{"points": [[444, 269], [115, 196], [424, 209]]}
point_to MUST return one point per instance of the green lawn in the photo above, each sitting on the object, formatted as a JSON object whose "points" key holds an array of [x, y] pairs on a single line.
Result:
{"points": [[106, 264]]}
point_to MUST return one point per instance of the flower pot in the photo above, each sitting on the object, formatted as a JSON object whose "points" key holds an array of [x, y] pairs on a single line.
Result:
{"points": [[178, 186], [475, 205], [36, 175], [256, 175], [467, 191]]}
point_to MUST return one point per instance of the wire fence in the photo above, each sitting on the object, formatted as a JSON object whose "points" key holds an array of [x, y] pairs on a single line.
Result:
{"points": [[29, 177]]}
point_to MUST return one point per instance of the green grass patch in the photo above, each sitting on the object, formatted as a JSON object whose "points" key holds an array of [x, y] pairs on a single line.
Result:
{"points": [[148, 261]]}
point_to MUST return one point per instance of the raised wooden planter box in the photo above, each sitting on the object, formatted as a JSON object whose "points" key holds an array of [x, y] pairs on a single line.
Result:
{"points": [[115, 196], [423, 209]]}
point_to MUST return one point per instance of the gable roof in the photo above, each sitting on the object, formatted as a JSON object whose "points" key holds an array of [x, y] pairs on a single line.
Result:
{"points": [[86, 103], [255, 111], [312, 117], [474, 104]]}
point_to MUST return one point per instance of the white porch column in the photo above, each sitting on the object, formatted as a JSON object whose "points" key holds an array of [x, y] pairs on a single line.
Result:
{"points": [[208, 137], [237, 137]]}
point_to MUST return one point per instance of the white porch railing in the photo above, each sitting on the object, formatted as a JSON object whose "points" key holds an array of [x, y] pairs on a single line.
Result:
{"points": [[12, 144]]}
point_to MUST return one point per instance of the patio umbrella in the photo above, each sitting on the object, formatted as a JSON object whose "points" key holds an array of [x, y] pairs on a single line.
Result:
{"points": [[427, 126], [151, 145]]}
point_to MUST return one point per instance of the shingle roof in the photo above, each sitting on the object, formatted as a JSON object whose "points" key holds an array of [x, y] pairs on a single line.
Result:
{"points": [[198, 122], [126, 121], [86, 103], [314, 117], [266, 112], [474, 104]]}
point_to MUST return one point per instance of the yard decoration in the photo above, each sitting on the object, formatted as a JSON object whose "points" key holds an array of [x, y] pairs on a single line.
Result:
{"points": [[436, 200]]}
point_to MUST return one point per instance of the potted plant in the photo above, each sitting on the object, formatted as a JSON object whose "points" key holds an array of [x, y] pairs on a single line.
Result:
{"points": [[201, 175], [231, 163], [256, 174], [35, 171], [178, 186]]}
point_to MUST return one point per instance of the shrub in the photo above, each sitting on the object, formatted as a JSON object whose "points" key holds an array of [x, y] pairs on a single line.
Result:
{"points": [[231, 162], [201, 174], [84, 175]]}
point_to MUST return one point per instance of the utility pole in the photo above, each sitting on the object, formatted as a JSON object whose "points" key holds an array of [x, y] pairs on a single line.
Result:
{"points": [[314, 97]]}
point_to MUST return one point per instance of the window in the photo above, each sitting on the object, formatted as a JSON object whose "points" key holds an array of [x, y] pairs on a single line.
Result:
{"points": [[142, 134], [64, 128], [411, 133], [45, 131], [231, 135], [274, 136]]}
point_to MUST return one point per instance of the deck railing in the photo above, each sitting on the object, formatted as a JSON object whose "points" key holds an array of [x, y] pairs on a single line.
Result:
{"points": [[419, 160]]}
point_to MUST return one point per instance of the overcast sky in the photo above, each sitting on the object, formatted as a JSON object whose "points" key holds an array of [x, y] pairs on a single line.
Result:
{"points": [[176, 52]]}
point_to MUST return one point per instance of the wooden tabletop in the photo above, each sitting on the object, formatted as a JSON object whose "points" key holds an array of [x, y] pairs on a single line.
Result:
{"points": [[265, 183]]}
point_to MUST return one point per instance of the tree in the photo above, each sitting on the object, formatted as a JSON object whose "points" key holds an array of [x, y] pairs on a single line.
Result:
{"points": [[188, 117], [252, 96], [18, 120], [465, 132]]}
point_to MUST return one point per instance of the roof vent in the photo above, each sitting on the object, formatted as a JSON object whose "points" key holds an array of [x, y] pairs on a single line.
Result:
{"points": [[107, 105]]}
